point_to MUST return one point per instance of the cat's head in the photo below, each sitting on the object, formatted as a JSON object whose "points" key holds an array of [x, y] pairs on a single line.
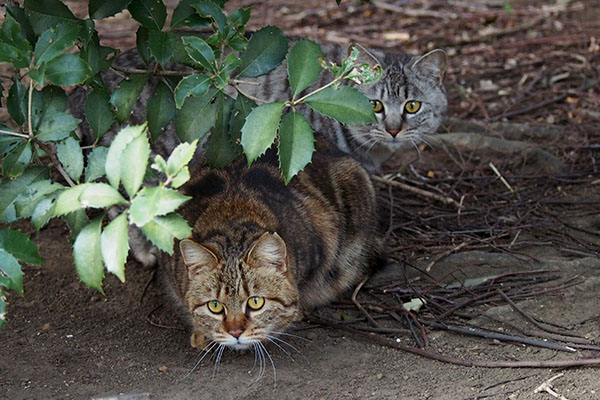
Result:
{"points": [[409, 100], [239, 300]]}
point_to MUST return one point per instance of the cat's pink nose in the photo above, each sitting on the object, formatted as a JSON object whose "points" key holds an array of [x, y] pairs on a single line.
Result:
{"points": [[236, 333], [393, 132]]}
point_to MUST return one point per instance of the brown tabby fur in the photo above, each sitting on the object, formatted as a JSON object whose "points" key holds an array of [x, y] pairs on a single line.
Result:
{"points": [[298, 246]]}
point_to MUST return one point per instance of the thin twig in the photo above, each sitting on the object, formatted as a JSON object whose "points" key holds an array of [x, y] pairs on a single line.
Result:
{"points": [[359, 306], [417, 191], [457, 361], [21, 135]]}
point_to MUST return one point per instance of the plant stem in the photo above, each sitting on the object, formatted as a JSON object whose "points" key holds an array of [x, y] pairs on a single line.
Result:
{"points": [[256, 99], [301, 99], [54, 160], [29, 101], [149, 71], [21, 135]]}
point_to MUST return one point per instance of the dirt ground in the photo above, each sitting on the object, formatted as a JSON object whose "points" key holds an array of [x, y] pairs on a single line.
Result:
{"points": [[529, 65]]}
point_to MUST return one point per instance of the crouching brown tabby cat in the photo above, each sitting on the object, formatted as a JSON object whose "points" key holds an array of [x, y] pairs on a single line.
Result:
{"points": [[261, 252]]}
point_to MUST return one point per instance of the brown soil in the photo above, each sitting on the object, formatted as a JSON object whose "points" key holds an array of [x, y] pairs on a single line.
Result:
{"points": [[63, 340]]}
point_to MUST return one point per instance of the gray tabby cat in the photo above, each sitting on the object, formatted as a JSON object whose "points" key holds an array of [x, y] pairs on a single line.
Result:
{"points": [[409, 102]]}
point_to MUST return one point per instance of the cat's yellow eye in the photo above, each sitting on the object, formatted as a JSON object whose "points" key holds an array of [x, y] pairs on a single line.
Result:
{"points": [[377, 106], [215, 307], [256, 302], [412, 106]]}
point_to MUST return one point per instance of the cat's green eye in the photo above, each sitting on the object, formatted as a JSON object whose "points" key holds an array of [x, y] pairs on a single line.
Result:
{"points": [[377, 106], [215, 307], [256, 302], [412, 106]]}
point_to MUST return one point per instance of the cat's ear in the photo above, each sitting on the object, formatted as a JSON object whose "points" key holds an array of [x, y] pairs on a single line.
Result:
{"points": [[195, 256], [432, 64], [269, 250], [366, 56]]}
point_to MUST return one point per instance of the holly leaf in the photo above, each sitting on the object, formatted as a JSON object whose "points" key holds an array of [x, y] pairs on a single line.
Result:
{"points": [[196, 85], [54, 42], [303, 65], [88, 256], [114, 245], [296, 144], [344, 104], [19, 246], [196, 117], [150, 13], [67, 70], [160, 110], [162, 230], [71, 157], [126, 95], [265, 51], [260, 130], [98, 112]]}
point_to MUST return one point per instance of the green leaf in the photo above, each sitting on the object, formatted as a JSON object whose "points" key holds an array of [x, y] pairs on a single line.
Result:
{"points": [[99, 58], [126, 95], [303, 65], [56, 126], [10, 189], [67, 70], [242, 108], [208, 8], [345, 104], [114, 244], [43, 211], [260, 130], [100, 195], [162, 230], [54, 42], [8, 142], [17, 159], [71, 157], [44, 14], [16, 102], [98, 113], [150, 13], [221, 150], [195, 84], [160, 164], [39, 74], [14, 48], [196, 117], [185, 15], [153, 201], [296, 144], [26, 202], [96, 160], [141, 42], [160, 110], [76, 221], [68, 201], [266, 49], [133, 163], [162, 45], [239, 17], [11, 275], [200, 52], [54, 100], [20, 246], [99, 9], [115, 161], [179, 158], [88, 256], [18, 14], [182, 177]]}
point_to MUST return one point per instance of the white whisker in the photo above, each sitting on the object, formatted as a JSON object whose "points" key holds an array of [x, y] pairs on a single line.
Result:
{"points": [[207, 349], [281, 348], [291, 335], [272, 363], [219, 352]]}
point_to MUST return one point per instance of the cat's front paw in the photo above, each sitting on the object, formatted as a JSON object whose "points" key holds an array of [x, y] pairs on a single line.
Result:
{"points": [[197, 340]]}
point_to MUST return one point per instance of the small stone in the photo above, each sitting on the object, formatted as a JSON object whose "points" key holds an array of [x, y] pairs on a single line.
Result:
{"points": [[46, 326], [379, 375], [163, 368]]}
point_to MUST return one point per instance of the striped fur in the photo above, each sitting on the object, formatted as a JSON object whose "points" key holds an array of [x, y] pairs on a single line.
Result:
{"points": [[405, 78], [325, 218]]}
